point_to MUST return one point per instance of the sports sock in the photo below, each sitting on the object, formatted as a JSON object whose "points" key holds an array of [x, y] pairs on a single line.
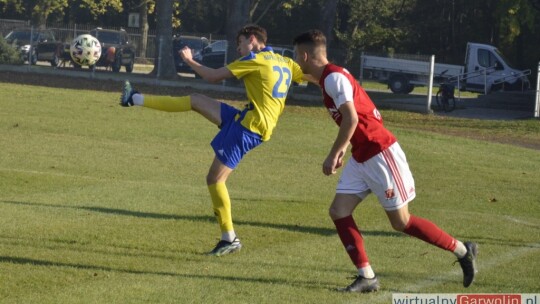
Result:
{"points": [[430, 233], [228, 236], [460, 250], [221, 203], [352, 241], [138, 99], [366, 272], [167, 103]]}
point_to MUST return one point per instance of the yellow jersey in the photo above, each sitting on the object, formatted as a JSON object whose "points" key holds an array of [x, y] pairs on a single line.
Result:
{"points": [[267, 77]]}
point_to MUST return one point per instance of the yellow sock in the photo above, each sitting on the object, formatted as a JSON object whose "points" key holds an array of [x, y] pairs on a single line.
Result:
{"points": [[168, 103], [222, 206]]}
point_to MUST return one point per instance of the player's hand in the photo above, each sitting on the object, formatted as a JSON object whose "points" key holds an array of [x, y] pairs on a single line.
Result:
{"points": [[339, 162], [332, 163], [328, 167], [186, 54]]}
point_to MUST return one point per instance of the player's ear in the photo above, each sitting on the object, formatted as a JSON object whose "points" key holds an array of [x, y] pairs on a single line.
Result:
{"points": [[252, 39], [305, 56], [301, 53]]}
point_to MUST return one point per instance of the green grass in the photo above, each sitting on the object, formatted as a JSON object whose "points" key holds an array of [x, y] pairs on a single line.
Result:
{"points": [[102, 204]]}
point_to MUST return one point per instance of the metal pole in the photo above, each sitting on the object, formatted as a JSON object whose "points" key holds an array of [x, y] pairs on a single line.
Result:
{"points": [[31, 45], [159, 57], [223, 82], [459, 87], [537, 104], [485, 82], [430, 87], [361, 68]]}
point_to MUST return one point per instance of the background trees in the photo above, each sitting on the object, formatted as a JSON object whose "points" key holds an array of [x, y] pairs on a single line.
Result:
{"points": [[440, 27]]}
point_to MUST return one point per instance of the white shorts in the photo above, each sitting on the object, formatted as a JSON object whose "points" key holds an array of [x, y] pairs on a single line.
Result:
{"points": [[386, 174]]}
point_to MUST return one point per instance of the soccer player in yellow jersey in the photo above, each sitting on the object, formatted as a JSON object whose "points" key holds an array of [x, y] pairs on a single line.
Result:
{"points": [[267, 77]]}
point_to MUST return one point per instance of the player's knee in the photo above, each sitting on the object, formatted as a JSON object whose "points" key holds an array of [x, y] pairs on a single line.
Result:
{"points": [[210, 179], [196, 96], [331, 212], [398, 225], [336, 213], [195, 99]]}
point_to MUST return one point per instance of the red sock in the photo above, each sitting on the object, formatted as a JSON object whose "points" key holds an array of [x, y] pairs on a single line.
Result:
{"points": [[352, 240], [430, 233]]}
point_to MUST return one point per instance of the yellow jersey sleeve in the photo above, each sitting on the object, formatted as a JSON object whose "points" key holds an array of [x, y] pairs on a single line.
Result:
{"points": [[267, 77]]}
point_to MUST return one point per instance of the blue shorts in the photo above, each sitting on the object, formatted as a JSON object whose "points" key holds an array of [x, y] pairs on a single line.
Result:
{"points": [[233, 141]]}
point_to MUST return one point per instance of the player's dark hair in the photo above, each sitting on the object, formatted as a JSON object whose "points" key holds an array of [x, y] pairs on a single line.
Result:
{"points": [[255, 30], [312, 39]]}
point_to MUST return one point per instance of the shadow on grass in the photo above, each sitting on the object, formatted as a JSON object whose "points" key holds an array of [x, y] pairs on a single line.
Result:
{"points": [[96, 268], [203, 218]]}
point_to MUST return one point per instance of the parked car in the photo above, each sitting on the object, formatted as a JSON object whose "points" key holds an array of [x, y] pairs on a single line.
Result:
{"points": [[283, 51], [196, 44], [42, 46], [216, 58], [116, 49], [216, 46]]}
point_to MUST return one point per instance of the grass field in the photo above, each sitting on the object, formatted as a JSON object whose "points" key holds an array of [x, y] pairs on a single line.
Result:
{"points": [[103, 204]]}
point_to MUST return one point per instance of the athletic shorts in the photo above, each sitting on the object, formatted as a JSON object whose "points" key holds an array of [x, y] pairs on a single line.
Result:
{"points": [[386, 174], [233, 141]]}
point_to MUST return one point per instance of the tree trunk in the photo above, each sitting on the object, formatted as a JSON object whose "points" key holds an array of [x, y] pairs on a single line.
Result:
{"points": [[237, 17], [164, 62], [328, 18], [39, 19], [143, 11]]}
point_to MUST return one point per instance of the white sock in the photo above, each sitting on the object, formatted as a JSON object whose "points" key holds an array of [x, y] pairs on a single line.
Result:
{"points": [[460, 250], [228, 236], [366, 272], [138, 99]]}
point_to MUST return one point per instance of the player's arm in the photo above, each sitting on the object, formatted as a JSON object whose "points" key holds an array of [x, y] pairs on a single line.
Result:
{"points": [[207, 73], [349, 121], [299, 76], [309, 78]]}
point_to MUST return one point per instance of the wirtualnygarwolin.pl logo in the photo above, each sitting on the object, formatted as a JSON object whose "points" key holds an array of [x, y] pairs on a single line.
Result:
{"points": [[466, 298]]}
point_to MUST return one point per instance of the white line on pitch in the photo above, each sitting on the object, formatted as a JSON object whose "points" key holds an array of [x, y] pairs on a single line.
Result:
{"points": [[483, 265], [87, 177], [481, 214]]}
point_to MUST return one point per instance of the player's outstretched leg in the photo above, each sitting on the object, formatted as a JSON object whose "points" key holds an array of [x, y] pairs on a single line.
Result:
{"points": [[131, 97], [468, 263], [126, 99], [224, 247], [362, 284]]}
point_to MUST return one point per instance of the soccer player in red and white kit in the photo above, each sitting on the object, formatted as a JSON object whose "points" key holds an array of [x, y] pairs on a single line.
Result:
{"points": [[378, 165]]}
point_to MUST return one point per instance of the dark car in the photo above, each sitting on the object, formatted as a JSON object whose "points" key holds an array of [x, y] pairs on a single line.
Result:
{"points": [[216, 46], [36, 45], [214, 54], [116, 49], [196, 44]]}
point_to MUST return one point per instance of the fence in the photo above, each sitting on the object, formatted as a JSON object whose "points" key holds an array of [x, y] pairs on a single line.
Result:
{"points": [[6, 25], [66, 33]]}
